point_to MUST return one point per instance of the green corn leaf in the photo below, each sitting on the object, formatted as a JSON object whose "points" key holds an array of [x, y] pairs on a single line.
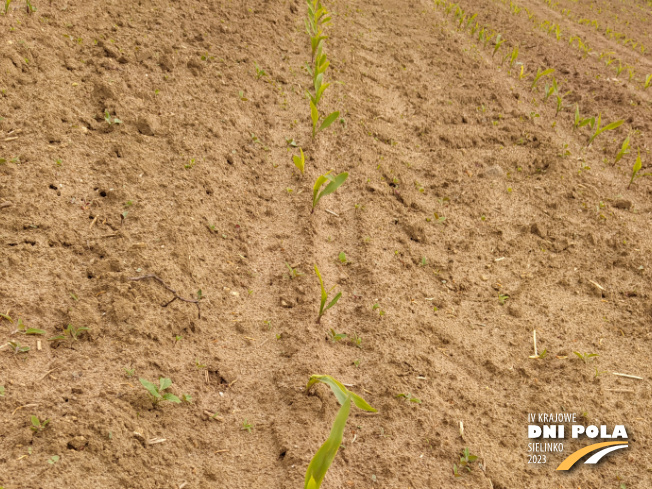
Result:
{"points": [[57, 338], [319, 93], [329, 120], [333, 302], [541, 74], [608, 127], [171, 397], [648, 80], [8, 318], [321, 180], [326, 454], [299, 161], [324, 294], [624, 150], [34, 331], [314, 115], [318, 54], [590, 121], [468, 22], [333, 185], [151, 388], [341, 392], [164, 384], [637, 168]]}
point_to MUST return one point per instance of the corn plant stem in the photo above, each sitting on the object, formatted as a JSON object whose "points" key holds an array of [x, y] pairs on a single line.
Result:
{"points": [[176, 296]]}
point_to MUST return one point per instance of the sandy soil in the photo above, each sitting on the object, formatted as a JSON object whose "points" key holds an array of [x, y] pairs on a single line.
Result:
{"points": [[473, 214]]}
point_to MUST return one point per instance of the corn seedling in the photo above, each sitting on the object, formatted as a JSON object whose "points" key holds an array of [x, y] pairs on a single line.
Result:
{"points": [[585, 357], [299, 161], [247, 426], [324, 457], [7, 3], [624, 150], [314, 115], [469, 21], [502, 298], [333, 184], [599, 130], [323, 307], [581, 122], [259, 72], [648, 81], [499, 42], [620, 68], [37, 424], [513, 56], [540, 74], [342, 258], [156, 392], [636, 169], [550, 89]]}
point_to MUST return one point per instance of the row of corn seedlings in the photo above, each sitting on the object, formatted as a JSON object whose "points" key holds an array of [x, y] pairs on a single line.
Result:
{"points": [[486, 34], [325, 184]]}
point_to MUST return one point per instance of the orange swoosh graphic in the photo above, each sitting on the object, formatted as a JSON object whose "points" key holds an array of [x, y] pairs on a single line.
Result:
{"points": [[574, 457]]}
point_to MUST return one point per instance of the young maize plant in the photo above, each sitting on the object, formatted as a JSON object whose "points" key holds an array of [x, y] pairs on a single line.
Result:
{"points": [[333, 184], [324, 457], [550, 89], [648, 81], [624, 150], [468, 22], [323, 307], [299, 161], [321, 63], [637, 168], [619, 68], [512, 58], [499, 42], [581, 122], [317, 17], [540, 74], [599, 130], [315, 116], [560, 102]]}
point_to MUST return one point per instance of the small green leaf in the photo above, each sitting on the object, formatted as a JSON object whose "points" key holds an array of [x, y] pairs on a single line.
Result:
{"points": [[164, 383], [151, 388], [171, 397], [341, 392], [34, 331], [329, 120]]}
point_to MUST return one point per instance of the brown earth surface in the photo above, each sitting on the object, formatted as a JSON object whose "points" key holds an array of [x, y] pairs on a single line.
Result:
{"points": [[472, 215]]}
